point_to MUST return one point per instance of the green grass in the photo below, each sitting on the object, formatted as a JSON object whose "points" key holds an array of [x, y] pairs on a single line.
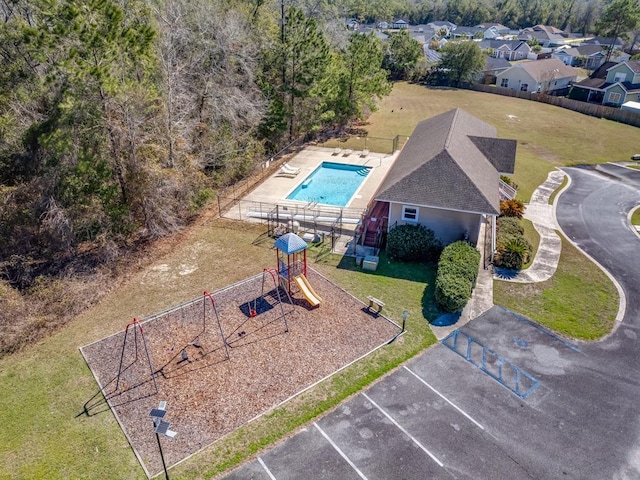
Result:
{"points": [[635, 217], [548, 136], [531, 234], [552, 197], [45, 386], [580, 301]]}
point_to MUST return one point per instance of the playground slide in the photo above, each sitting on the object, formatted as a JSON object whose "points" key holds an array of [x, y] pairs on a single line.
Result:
{"points": [[308, 293]]}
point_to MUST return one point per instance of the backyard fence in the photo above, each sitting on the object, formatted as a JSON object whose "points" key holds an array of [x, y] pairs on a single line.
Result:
{"points": [[229, 196], [594, 110], [365, 142]]}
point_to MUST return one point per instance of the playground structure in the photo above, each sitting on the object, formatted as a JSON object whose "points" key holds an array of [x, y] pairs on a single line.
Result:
{"points": [[294, 270], [229, 378]]}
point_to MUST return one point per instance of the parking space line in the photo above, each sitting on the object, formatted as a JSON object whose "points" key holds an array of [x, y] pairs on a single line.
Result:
{"points": [[443, 397], [413, 439], [261, 462], [342, 454]]}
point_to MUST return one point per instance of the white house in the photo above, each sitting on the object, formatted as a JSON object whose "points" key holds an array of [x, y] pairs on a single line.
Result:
{"points": [[545, 76]]}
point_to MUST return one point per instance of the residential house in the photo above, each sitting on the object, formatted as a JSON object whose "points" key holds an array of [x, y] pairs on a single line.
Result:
{"points": [[442, 28], [493, 30], [492, 67], [622, 83], [508, 49], [590, 89], [446, 178], [400, 24], [605, 42], [546, 35], [466, 33], [588, 56], [546, 76]]}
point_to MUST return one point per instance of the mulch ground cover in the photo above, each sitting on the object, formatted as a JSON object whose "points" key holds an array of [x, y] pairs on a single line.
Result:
{"points": [[276, 346]]}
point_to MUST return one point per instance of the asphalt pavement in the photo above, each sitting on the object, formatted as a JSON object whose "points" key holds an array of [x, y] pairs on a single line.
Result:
{"points": [[505, 399]]}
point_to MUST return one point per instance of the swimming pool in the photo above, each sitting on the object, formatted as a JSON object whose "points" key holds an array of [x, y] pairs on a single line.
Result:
{"points": [[331, 184]]}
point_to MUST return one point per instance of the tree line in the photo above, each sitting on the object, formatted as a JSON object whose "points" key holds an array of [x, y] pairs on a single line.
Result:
{"points": [[119, 119]]}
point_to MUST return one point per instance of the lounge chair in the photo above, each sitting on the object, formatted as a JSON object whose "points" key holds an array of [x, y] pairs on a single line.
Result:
{"points": [[289, 169], [287, 173]]}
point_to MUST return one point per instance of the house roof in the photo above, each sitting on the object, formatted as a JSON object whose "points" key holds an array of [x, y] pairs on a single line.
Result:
{"points": [[493, 63], [634, 65], [496, 44], [588, 50], [470, 31], [539, 70], [572, 52], [598, 78], [450, 162], [606, 41], [498, 26]]}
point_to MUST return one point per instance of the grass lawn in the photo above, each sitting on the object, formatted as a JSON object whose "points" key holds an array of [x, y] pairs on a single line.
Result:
{"points": [[531, 234], [579, 301], [45, 386], [548, 136], [635, 217], [563, 184]]}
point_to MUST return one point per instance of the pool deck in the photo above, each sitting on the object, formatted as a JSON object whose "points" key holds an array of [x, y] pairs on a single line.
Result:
{"points": [[275, 189]]}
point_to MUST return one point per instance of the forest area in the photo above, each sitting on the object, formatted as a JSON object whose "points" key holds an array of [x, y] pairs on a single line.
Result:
{"points": [[120, 119]]}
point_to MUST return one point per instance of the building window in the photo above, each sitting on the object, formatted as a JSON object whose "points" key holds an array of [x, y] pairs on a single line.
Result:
{"points": [[504, 82], [409, 214], [615, 97], [619, 77], [524, 87]]}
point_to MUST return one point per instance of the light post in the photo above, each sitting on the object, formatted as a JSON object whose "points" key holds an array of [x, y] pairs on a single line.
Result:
{"points": [[160, 427]]}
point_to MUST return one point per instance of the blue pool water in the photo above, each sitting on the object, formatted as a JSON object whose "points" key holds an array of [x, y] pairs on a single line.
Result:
{"points": [[331, 184]]}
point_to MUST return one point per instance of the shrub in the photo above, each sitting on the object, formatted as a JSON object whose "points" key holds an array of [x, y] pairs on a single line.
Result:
{"points": [[457, 271], [509, 181], [452, 292], [512, 208], [460, 258], [514, 253], [509, 226], [413, 243]]}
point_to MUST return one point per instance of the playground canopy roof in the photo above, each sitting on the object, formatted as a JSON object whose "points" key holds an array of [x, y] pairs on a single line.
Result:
{"points": [[290, 243]]}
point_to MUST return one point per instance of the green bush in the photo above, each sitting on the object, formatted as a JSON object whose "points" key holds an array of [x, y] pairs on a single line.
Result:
{"points": [[509, 226], [452, 292], [460, 258], [413, 243], [513, 253], [457, 272]]}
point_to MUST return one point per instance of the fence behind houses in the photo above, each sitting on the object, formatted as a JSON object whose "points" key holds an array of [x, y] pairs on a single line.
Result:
{"points": [[594, 110]]}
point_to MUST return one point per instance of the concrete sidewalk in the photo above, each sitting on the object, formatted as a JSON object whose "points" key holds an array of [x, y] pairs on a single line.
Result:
{"points": [[543, 217]]}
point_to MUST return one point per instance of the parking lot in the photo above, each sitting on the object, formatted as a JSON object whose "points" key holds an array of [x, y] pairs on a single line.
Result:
{"points": [[457, 412]]}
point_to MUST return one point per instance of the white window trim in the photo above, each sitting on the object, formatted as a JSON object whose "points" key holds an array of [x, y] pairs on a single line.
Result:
{"points": [[617, 95], [404, 213]]}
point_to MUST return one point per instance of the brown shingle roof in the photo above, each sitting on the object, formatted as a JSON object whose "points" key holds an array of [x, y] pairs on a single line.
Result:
{"points": [[449, 162], [540, 70]]}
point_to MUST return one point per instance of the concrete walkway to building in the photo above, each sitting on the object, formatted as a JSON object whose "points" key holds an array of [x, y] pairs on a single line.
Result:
{"points": [[543, 217]]}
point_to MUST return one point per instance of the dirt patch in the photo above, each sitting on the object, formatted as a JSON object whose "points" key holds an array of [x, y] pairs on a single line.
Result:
{"points": [[213, 386]]}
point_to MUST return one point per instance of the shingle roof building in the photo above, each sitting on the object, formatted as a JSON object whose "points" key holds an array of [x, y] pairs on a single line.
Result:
{"points": [[451, 161]]}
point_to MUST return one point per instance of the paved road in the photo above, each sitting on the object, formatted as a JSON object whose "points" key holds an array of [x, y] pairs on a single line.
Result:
{"points": [[443, 417]]}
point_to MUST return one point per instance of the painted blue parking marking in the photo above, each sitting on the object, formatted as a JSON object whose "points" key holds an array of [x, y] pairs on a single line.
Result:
{"points": [[497, 367], [520, 342]]}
